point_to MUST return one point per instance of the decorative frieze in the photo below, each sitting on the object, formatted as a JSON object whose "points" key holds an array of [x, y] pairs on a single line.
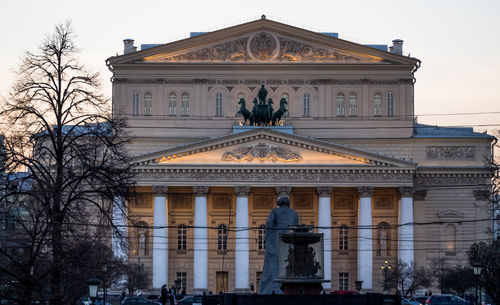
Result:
{"points": [[196, 81], [451, 179], [450, 152], [262, 152], [341, 177]]}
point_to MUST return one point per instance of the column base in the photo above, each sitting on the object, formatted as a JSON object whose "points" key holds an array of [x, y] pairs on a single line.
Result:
{"points": [[242, 291]]}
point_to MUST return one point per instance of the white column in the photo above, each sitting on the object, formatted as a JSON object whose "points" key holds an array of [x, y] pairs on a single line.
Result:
{"points": [[160, 238], [119, 241], [242, 255], [365, 244], [324, 220], [200, 263], [405, 244]]}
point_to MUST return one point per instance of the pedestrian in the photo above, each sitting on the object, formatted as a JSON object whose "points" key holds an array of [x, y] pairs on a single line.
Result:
{"points": [[163, 294], [183, 292]]}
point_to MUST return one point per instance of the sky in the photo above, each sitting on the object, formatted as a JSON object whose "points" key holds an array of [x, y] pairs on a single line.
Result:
{"points": [[457, 41]]}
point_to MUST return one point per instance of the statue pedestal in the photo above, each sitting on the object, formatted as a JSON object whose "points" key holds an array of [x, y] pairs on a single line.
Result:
{"points": [[302, 287]]}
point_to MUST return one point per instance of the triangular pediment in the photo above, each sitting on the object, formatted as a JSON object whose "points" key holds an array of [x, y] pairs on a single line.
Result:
{"points": [[262, 41], [263, 147], [451, 214]]}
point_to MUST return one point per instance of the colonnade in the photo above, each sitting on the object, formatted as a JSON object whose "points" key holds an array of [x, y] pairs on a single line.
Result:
{"points": [[242, 257]]}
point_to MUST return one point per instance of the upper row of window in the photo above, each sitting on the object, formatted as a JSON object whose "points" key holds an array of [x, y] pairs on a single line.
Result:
{"points": [[351, 109]]}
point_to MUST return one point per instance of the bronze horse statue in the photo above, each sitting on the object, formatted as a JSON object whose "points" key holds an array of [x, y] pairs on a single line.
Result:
{"points": [[247, 115], [276, 117]]}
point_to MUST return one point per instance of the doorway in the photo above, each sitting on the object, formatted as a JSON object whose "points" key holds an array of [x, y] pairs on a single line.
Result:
{"points": [[222, 282]]}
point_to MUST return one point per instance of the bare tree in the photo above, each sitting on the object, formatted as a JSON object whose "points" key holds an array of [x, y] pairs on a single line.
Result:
{"points": [[60, 131], [136, 277], [405, 278], [488, 256]]}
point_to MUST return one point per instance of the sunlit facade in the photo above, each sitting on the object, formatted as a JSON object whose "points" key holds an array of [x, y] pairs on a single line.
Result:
{"points": [[347, 152]]}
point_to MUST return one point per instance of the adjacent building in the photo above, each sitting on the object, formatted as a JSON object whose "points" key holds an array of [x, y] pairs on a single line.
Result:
{"points": [[347, 151]]}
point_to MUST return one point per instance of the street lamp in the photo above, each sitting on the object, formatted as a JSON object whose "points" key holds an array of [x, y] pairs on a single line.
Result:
{"points": [[478, 268], [93, 285], [385, 268]]}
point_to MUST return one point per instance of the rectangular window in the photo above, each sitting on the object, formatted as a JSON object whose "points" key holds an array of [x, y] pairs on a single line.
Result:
{"points": [[343, 238], [181, 281], [343, 281]]}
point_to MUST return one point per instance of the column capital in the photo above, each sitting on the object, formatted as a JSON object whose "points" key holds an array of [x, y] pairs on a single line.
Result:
{"points": [[200, 190], [283, 191], [365, 191], [324, 191], [405, 191], [160, 189], [241, 190]]}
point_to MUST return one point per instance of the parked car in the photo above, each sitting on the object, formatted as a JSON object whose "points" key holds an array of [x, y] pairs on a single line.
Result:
{"points": [[138, 301], [190, 300], [408, 302], [446, 299], [420, 299], [343, 292]]}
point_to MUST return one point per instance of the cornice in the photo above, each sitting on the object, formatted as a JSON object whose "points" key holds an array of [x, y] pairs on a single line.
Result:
{"points": [[278, 177], [323, 81]]}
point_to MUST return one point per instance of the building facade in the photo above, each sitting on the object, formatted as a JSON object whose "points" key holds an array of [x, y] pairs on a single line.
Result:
{"points": [[347, 151]]}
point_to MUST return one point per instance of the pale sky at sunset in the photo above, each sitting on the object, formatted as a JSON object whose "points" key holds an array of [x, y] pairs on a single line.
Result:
{"points": [[457, 41]]}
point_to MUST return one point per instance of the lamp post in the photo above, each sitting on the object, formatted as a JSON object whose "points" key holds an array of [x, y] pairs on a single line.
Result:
{"points": [[385, 268], [93, 286], [478, 268]]}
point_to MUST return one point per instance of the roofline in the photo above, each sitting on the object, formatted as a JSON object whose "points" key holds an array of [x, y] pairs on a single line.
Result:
{"points": [[263, 23]]}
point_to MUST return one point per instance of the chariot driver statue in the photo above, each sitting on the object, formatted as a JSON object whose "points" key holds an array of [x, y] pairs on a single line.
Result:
{"points": [[262, 94]]}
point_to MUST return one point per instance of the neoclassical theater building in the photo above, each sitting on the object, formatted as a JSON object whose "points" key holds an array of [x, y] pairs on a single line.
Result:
{"points": [[347, 151]]}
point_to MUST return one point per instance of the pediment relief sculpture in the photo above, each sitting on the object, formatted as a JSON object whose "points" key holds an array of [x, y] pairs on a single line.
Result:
{"points": [[266, 46], [262, 152]]}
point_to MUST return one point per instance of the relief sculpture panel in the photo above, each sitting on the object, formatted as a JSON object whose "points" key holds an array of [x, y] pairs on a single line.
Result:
{"points": [[450, 152]]}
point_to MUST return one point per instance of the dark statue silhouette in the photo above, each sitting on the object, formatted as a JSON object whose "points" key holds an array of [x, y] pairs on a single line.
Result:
{"points": [[278, 221], [262, 113]]}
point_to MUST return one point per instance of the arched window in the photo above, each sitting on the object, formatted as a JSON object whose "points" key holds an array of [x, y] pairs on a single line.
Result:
{"points": [[390, 104], [185, 104], [287, 98], [353, 104], [148, 103], [222, 238], [340, 104], [135, 103], [261, 234], [307, 104], [377, 110], [142, 239], [450, 234], [343, 238], [181, 237], [172, 104], [218, 104]]}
